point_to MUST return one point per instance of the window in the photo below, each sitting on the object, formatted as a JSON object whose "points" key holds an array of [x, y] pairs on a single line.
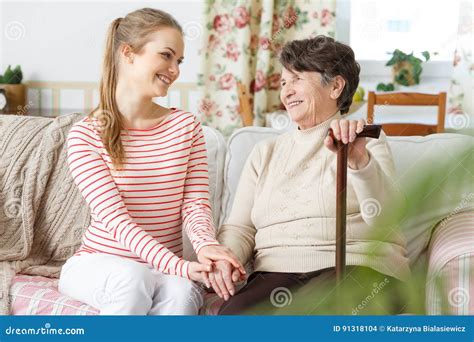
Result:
{"points": [[375, 28]]}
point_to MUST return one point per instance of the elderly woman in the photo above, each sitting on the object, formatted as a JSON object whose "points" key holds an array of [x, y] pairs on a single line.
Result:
{"points": [[283, 216]]}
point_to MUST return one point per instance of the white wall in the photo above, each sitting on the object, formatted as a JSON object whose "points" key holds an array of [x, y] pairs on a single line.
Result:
{"points": [[63, 40]]}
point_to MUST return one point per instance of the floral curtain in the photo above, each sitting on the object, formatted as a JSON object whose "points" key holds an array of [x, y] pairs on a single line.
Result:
{"points": [[460, 95], [241, 44]]}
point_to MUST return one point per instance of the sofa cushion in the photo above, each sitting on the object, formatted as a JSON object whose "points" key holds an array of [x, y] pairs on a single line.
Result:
{"points": [[416, 155], [239, 146], [36, 295], [449, 285], [216, 150]]}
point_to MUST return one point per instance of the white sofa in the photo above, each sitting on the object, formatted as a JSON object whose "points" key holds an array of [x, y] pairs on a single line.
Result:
{"points": [[448, 248], [449, 256]]}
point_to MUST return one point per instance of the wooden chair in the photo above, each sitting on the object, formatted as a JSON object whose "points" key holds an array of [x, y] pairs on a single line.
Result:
{"points": [[408, 99], [244, 102]]}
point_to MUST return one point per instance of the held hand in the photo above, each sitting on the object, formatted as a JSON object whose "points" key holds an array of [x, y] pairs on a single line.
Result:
{"points": [[196, 271], [345, 131], [222, 278], [208, 254]]}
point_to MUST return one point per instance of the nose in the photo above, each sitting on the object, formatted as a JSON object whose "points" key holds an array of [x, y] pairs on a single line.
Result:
{"points": [[287, 91], [174, 69]]}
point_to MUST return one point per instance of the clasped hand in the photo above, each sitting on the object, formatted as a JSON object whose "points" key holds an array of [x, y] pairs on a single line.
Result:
{"points": [[217, 267]]}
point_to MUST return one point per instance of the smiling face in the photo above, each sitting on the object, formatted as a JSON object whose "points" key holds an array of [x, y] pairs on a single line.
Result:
{"points": [[306, 98], [155, 67]]}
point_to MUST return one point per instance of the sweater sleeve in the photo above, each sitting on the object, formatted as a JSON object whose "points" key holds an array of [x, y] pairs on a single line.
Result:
{"points": [[238, 232], [94, 180], [374, 184], [196, 210]]}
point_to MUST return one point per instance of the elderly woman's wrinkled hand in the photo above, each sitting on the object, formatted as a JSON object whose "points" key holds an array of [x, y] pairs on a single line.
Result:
{"points": [[345, 131], [222, 278]]}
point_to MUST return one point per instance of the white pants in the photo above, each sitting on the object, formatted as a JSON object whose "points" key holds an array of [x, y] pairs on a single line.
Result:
{"points": [[118, 286]]}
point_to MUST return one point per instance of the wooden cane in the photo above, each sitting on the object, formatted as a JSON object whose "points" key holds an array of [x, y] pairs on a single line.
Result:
{"points": [[369, 131]]}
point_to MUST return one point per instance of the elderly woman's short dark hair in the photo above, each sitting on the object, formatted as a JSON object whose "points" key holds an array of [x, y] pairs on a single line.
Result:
{"points": [[327, 57]]}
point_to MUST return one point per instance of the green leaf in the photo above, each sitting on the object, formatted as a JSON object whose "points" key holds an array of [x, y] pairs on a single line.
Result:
{"points": [[414, 60], [401, 77], [392, 61], [426, 54], [385, 87], [380, 87], [14, 76], [397, 56]]}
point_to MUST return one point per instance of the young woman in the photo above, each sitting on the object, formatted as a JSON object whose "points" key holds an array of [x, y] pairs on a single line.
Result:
{"points": [[142, 169]]}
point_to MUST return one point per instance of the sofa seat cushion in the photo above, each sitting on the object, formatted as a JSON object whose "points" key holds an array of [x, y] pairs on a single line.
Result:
{"points": [[36, 295]]}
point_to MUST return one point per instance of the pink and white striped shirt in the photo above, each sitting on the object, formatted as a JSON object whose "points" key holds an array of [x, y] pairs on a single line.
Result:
{"points": [[140, 211]]}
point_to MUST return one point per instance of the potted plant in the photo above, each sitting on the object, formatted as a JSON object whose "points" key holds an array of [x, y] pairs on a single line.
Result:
{"points": [[15, 91], [406, 69]]}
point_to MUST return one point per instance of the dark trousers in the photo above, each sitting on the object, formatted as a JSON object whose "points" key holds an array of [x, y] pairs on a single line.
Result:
{"points": [[362, 292]]}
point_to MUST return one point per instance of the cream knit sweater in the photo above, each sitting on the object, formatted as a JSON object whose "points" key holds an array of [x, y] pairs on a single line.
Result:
{"points": [[284, 209]]}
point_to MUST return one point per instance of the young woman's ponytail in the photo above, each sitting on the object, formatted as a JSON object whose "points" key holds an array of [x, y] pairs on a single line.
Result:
{"points": [[107, 113]]}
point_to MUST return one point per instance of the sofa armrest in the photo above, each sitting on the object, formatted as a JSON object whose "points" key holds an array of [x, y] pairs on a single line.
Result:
{"points": [[451, 266]]}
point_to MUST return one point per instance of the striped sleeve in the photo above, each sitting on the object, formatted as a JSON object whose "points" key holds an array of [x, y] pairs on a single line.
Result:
{"points": [[196, 209], [95, 182]]}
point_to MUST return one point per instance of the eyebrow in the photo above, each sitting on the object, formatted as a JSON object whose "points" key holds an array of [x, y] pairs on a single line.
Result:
{"points": [[293, 75], [174, 52]]}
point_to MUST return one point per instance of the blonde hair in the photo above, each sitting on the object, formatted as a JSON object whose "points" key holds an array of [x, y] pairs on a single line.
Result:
{"points": [[133, 30]]}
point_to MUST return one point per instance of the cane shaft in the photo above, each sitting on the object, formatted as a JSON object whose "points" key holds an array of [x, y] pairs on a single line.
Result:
{"points": [[369, 131], [341, 200]]}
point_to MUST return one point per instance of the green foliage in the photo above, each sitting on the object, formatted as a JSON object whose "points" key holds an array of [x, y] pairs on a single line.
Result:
{"points": [[400, 56], [385, 87], [402, 77], [400, 60], [12, 76]]}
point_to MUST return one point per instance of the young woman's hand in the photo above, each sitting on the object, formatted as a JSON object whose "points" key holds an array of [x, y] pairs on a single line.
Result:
{"points": [[345, 131], [196, 271], [208, 254]]}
